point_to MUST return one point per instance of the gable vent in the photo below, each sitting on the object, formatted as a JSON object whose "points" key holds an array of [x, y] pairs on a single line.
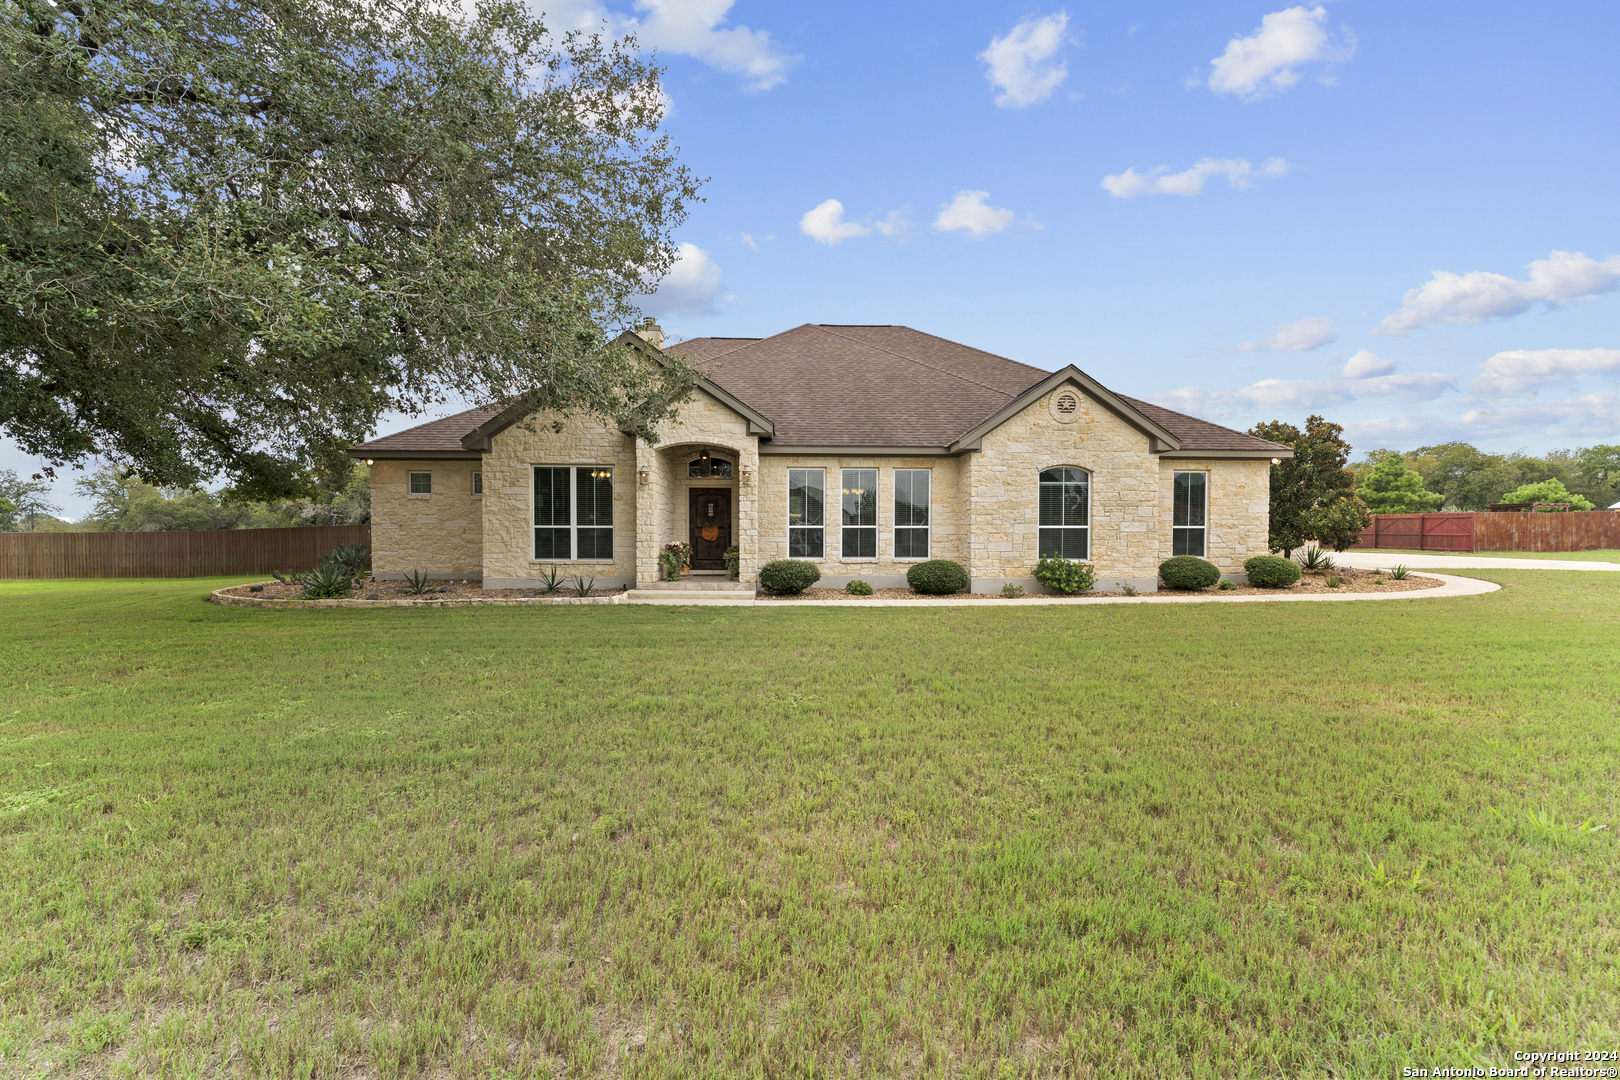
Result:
{"points": [[1067, 403]]}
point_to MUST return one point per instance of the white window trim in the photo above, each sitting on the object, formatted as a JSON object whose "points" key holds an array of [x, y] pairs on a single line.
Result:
{"points": [[787, 513], [875, 527], [928, 528], [1204, 528], [1086, 528], [573, 514], [410, 482]]}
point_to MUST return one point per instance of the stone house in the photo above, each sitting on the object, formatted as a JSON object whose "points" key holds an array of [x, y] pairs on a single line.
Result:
{"points": [[864, 449]]}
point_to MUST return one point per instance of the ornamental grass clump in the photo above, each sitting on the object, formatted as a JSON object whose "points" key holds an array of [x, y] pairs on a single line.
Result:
{"points": [[1271, 571], [1064, 576], [1188, 572], [786, 577], [938, 577]]}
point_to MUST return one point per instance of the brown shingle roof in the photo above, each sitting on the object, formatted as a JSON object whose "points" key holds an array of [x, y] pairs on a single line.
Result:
{"points": [[862, 385], [435, 436], [1196, 434], [850, 386]]}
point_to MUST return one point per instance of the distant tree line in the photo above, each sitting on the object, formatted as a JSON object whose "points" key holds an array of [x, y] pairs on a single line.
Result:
{"points": [[1458, 477], [122, 502]]}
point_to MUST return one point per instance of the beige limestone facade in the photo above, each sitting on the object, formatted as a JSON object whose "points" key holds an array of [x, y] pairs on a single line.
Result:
{"points": [[439, 532], [983, 505]]}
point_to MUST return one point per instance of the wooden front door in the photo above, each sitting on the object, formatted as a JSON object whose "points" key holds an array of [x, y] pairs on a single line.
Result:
{"points": [[711, 527]]}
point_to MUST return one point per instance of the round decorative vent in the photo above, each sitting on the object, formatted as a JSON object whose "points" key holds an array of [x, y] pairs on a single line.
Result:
{"points": [[1067, 403], [1066, 406]]}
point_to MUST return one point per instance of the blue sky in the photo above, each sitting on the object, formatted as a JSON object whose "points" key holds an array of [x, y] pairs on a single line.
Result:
{"points": [[1401, 216]]}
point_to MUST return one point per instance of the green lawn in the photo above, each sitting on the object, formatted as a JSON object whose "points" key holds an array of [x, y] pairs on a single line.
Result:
{"points": [[1599, 555], [1219, 840]]}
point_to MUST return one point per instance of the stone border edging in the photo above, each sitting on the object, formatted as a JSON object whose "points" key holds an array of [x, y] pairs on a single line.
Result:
{"points": [[219, 596], [1454, 586]]}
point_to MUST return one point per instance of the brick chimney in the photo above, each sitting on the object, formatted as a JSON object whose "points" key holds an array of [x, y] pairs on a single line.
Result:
{"points": [[651, 332]]}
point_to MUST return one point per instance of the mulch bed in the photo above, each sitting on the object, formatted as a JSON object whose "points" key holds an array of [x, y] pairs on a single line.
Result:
{"points": [[469, 589], [1350, 581]]}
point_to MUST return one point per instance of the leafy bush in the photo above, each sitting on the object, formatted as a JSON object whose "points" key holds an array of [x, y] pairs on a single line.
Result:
{"points": [[1227, 586], [328, 581], [858, 588], [1548, 491], [1009, 591], [938, 577], [1188, 572], [1271, 571], [1065, 576], [788, 576]]}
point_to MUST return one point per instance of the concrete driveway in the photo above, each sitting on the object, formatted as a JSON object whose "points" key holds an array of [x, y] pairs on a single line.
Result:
{"points": [[1372, 560]]}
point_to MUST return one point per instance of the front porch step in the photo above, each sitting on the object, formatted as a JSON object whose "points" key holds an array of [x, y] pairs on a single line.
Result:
{"points": [[692, 597], [697, 584]]}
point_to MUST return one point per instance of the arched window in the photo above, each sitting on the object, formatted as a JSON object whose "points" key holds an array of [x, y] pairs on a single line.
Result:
{"points": [[709, 466], [1065, 509]]}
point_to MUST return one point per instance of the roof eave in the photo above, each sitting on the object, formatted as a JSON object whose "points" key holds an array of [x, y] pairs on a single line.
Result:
{"points": [[1159, 439], [362, 453], [1254, 455]]}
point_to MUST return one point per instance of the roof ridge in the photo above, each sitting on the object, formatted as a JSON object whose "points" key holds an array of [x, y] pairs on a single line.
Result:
{"points": [[930, 367]]}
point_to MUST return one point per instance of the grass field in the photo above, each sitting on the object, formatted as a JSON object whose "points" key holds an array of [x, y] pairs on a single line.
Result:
{"points": [[1222, 840], [1597, 555]]}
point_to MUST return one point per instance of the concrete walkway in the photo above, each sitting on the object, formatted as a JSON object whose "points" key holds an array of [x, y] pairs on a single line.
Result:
{"points": [[1373, 560]]}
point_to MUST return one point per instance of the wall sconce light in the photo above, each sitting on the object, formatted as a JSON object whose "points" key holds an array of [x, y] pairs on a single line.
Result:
{"points": [[1276, 461], [747, 474], [368, 461], [644, 476]]}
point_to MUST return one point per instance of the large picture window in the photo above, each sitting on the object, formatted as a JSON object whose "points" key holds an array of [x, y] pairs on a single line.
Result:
{"points": [[1065, 513], [573, 512], [911, 510], [806, 521], [860, 514], [1188, 521]]}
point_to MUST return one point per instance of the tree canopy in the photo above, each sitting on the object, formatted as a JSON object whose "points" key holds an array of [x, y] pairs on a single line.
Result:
{"points": [[1468, 478], [234, 233], [1392, 488], [1547, 491], [1312, 494]]}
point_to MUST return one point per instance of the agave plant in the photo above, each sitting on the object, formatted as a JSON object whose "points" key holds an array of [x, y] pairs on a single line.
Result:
{"points": [[1399, 573], [328, 581], [1316, 559], [583, 585], [352, 558], [416, 582], [551, 582]]}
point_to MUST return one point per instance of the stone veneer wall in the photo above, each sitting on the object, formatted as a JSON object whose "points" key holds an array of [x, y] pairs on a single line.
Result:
{"points": [[886, 571], [508, 560], [440, 534], [1239, 511], [662, 505], [1001, 489]]}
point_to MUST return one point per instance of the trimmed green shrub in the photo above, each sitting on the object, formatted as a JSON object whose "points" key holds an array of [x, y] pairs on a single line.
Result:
{"points": [[858, 588], [1188, 572], [1271, 571], [788, 576], [1065, 576], [938, 577]]}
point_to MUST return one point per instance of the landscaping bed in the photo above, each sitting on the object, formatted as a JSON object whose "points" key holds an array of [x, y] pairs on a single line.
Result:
{"points": [[1350, 581], [374, 589]]}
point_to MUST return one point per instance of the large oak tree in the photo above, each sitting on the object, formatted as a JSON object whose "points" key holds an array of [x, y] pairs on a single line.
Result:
{"points": [[233, 233]]}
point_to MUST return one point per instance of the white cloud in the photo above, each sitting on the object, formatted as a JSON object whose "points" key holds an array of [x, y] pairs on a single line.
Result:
{"points": [[695, 28], [692, 286], [1519, 370], [893, 225], [1366, 365], [1592, 416], [968, 213], [1311, 333], [1304, 393], [1269, 58], [1560, 278], [1161, 181], [825, 224], [1023, 65], [753, 244]]}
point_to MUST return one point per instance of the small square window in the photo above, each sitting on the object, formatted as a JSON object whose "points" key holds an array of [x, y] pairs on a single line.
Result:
{"points": [[478, 483], [421, 483]]}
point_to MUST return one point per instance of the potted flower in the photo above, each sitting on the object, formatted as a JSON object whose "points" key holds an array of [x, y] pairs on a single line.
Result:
{"points": [[673, 560], [734, 561]]}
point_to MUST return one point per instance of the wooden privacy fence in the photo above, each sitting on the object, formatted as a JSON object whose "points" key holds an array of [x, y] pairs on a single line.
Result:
{"points": [[203, 553], [1577, 531]]}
